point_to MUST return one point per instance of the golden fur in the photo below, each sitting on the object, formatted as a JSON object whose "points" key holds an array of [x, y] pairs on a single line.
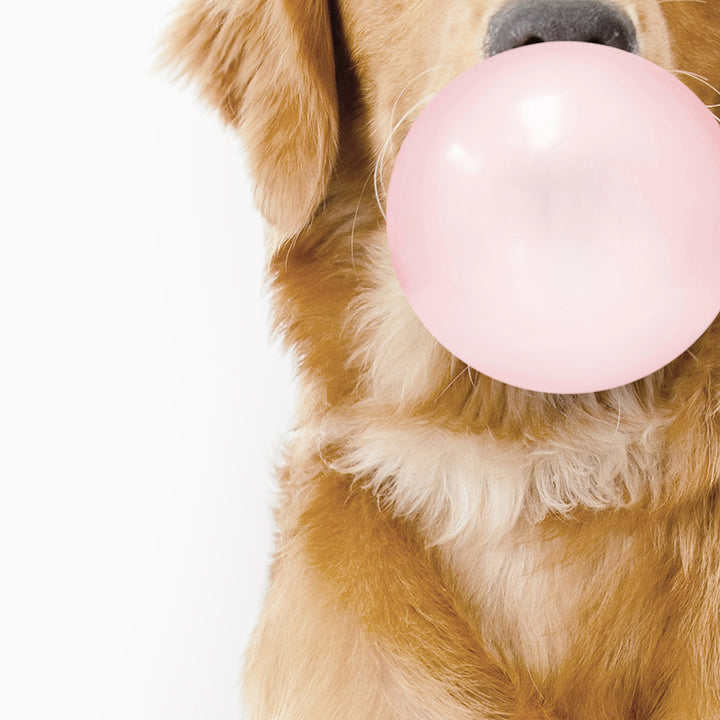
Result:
{"points": [[449, 546]]}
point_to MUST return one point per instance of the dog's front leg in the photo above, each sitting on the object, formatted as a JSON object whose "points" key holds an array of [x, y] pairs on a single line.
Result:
{"points": [[357, 625]]}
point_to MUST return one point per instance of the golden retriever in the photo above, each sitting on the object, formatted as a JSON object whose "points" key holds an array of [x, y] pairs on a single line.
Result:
{"points": [[450, 546]]}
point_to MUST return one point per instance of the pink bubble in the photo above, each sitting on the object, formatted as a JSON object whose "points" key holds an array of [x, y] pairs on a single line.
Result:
{"points": [[554, 217]]}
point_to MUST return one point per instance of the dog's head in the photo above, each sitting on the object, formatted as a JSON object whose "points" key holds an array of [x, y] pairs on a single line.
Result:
{"points": [[323, 93]]}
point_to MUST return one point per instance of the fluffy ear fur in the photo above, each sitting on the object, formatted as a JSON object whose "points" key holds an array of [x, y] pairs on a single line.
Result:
{"points": [[268, 66]]}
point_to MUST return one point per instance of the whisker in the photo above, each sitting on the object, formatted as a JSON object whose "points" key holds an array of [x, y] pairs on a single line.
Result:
{"points": [[447, 387], [352, 230], [407, 85], [618, 419], [373, 174], [470, 376], [381, 158], [696, 76]]}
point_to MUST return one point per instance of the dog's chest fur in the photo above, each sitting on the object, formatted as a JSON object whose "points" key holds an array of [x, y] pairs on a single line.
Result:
{"points": [[483, 508], [524, 594]]}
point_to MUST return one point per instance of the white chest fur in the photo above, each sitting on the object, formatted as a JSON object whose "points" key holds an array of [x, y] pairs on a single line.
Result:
{"points": [[477, 501]]}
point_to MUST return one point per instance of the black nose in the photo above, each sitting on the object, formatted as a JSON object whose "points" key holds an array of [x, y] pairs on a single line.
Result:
{"points": [[532, 21]]}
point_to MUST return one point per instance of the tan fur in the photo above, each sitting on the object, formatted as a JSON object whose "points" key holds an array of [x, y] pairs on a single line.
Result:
{"points": [[449, 546]]}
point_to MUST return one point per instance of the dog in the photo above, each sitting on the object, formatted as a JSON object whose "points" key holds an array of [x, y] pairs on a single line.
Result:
{"points": [[450, 546]]}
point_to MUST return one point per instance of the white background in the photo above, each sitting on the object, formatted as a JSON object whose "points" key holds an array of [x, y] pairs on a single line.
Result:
{"points": [[142, 405]]}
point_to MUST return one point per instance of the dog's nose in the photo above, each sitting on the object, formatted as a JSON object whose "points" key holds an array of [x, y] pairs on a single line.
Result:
{"points": [[532, 21]]}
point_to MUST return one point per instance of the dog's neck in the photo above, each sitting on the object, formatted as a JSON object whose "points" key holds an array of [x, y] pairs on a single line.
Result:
{"points": [[437, 439]]}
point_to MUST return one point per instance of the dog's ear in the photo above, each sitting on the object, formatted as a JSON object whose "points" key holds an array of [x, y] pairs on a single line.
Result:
{"points": [[268, 67]]}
